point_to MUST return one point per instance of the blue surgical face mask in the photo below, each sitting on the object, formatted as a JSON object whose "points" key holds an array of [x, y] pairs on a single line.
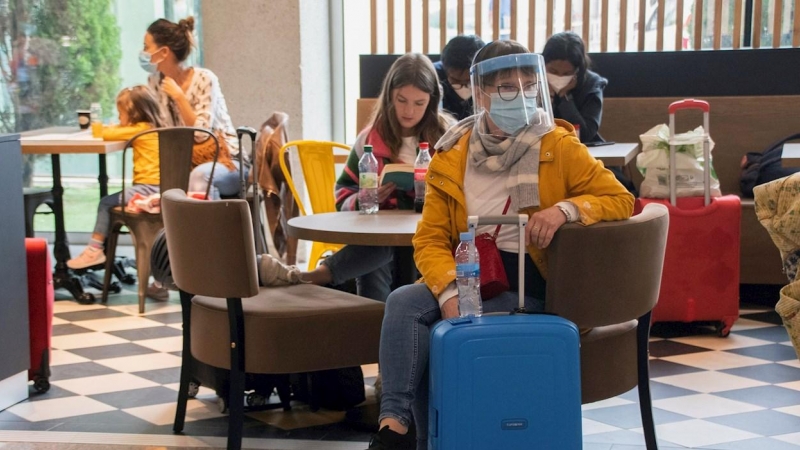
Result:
{"points": [[144, 62], [512, 115]]}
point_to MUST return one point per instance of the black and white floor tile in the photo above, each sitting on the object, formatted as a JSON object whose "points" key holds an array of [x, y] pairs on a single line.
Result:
{"points": [[115, 377]]}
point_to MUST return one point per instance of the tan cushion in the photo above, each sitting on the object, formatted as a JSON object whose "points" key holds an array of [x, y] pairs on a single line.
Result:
{"points": [[599, 333], [291, 329], [608, 366]]}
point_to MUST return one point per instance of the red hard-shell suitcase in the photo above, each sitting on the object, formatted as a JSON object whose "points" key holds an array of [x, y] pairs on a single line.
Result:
{"points": [[40, 311], [700, 281]]}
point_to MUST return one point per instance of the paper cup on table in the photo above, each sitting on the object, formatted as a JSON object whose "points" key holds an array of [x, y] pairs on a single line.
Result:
{"points": [[84, 117]]}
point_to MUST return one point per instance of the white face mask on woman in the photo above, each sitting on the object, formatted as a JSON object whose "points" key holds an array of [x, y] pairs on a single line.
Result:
{"points": [[511, 115], [144, 62], [465, 92], [558, 83]]}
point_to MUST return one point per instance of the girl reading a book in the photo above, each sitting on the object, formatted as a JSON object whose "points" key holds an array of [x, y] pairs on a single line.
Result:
{"points": [[407, 112]]}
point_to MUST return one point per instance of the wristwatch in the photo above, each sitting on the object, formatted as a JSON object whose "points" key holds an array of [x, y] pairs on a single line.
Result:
{"points": [[566, 212]]}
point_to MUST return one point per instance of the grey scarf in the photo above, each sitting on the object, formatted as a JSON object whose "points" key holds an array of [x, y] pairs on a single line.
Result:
{"points": [[519, 154]]}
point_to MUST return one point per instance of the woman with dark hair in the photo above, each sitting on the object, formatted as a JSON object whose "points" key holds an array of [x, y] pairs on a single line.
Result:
{"points": [[406, 113], [576, 91], [193, 97], [511, 151], [453, 71]]}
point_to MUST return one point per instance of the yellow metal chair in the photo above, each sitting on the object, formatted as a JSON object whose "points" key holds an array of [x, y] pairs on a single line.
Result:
{"points": [[317, 161]]}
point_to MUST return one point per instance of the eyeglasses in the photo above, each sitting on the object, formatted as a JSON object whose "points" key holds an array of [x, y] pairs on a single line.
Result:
{"points": [[458, 86], [509, 92]]}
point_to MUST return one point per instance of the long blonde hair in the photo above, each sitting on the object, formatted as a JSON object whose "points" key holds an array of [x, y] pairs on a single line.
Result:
{"points": [[411, 69], [141, 105]]}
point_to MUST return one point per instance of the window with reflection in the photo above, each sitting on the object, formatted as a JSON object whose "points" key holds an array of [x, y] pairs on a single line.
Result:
{"points": [[57, 57]]}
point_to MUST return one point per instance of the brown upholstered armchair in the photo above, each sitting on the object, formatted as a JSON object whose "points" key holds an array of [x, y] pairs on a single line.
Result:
{"points": [[607, 277], [229, 322]]}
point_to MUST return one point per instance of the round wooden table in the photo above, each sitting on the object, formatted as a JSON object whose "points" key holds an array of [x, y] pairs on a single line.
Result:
{"points": [[393, 228]]}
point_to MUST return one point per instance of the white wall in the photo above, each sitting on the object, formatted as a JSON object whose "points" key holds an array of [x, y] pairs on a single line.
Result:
{"points": [[272, 55]]}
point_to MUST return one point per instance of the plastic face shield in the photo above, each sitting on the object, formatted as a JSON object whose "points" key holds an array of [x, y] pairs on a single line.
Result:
{"points": [[511, 94]]}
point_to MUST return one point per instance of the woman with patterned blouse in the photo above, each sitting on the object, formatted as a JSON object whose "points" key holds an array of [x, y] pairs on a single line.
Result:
{"points": [[193, 97]]}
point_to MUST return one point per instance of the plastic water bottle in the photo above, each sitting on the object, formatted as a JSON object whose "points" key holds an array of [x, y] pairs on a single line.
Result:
{"points": [[368, 182], [420, 171], [96, 118], [468, 277]]}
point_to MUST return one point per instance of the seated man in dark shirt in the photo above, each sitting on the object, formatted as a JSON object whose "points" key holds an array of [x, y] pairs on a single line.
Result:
{"points": [[453, 71]]}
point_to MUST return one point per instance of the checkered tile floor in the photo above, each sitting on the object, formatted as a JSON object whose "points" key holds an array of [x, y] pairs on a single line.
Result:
{"points": [[115, 378]]}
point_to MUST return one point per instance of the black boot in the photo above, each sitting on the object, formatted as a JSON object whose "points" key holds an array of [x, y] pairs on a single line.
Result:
{"points": [[387, 439]]}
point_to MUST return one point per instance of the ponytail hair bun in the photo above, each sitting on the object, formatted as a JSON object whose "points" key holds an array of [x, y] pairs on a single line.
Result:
{"points": [[187, 24]]}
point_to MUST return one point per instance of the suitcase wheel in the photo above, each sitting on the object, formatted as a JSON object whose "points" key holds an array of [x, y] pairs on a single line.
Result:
{"points": [[256, 399], [41, 384], [194, 388], [723, 329], [222, 403]]}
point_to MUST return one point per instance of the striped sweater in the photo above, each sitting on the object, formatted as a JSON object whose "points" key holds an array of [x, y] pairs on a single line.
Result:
{"points": [[347, 184]]}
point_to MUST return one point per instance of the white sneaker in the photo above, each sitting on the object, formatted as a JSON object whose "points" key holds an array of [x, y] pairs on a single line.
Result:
{"points": [[91, 256], [273, 272]]}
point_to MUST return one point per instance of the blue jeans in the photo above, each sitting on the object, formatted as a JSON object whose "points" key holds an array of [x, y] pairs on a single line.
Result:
{"points": [[103, 222], [225, 181], [370, 266], [411, 312]]}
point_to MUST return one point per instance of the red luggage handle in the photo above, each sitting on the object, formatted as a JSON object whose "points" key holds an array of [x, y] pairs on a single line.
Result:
{"points": [[689, 103]]}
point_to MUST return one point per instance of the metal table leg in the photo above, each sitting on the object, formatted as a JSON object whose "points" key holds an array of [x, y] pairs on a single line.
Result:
{"points": [[62, 277], [102, 176]]}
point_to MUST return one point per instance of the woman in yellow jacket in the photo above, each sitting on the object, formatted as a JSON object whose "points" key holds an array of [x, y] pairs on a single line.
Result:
{"points": [[510, 151]]}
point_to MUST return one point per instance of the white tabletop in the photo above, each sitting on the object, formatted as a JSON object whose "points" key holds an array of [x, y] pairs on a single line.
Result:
{"points": [[791, 155], [57, 140], [617, 155], [392, 228]]}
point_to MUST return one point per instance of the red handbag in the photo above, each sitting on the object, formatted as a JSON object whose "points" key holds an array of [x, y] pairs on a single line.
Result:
{"points": [[493, 274]]}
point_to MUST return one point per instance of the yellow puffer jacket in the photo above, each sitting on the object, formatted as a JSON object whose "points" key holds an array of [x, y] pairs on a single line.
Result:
{"points": [[566, 172]]}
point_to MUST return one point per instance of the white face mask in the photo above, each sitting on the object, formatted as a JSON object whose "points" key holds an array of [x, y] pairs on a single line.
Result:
{"points": [[559, 83], [464, 92]]}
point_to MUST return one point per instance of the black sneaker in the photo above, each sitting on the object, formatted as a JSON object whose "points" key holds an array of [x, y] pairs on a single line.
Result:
{"points": [[387, 439]]}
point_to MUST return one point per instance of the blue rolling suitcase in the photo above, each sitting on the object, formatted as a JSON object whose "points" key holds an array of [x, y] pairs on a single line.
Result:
{"points": [[505, 381]]}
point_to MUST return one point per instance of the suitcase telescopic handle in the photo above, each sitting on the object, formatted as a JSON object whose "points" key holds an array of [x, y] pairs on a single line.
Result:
{"points": [[520, 220], [250, 131], [689, 103], [256, 213]]}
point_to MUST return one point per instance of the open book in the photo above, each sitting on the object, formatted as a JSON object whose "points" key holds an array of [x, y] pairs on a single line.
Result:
{"points": [[401, 175]]}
